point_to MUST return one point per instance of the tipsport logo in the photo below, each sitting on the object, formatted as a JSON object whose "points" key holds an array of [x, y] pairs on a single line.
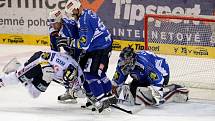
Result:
{"points": [[134, 11]]}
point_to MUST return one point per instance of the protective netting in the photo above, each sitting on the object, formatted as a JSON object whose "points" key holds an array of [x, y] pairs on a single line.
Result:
{"points": [[183, 32]]}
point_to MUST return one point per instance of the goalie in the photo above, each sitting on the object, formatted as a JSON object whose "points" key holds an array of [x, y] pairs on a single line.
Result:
{"points": [[41, 69], [150, 75]]}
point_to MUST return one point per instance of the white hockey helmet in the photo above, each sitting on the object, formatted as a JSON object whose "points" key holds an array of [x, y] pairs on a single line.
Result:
{"points": [[55, 16], [71, 5]]}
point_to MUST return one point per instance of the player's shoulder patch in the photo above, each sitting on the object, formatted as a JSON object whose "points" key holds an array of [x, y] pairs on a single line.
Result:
{"points": [[45, 55], [116, 75], [83, 39]]}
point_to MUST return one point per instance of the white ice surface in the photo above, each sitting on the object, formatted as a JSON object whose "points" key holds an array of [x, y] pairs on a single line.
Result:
{"points": [[17, 105]]}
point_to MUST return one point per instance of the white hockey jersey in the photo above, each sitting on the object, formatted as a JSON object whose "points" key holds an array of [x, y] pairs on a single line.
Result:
{"points": [[52, 64], [60, 62]]}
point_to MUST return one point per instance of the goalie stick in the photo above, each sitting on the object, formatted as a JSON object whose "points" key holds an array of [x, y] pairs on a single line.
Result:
{"points": [[112, 105], [88, 105], [134, 109], [121, 109]]}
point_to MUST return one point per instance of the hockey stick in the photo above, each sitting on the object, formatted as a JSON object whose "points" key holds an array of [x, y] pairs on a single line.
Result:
{"points": [[58, 82], [136, 109], [121, 109]]}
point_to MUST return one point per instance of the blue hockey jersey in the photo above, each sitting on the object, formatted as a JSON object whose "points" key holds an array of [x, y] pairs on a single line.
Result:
{"points": [[145, 66], [69, 29], [92, 32]]}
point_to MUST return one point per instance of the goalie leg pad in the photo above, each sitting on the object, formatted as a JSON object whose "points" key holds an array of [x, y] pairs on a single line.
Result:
{"points": [[172, 93], [125, 96], [176, 93], [144, 96], [157, 94]]}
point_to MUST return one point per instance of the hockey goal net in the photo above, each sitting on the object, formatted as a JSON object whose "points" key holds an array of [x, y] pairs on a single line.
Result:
{"points": [[188, 43]]}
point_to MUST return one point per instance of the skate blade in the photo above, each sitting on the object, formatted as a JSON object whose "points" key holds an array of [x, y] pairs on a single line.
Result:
{"points": [[67, 101]]}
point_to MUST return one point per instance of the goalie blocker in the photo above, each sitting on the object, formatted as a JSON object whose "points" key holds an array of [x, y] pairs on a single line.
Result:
{"points": [[172, 93]]}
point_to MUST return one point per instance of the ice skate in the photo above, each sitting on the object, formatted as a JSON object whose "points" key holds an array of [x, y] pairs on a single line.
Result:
{"points": [[67, 98]]}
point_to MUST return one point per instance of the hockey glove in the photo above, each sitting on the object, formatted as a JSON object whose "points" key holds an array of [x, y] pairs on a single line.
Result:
{"points": [[65, 41]]}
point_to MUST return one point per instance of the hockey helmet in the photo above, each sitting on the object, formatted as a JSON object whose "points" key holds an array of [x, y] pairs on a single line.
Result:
{"points": [[127, 59], [127, 53], [55, 16], [71, 5]]}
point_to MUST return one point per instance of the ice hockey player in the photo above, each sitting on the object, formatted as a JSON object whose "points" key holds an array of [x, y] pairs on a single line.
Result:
{"points": [[42, 68], [96, 40], [62, 30], [147, 70]]}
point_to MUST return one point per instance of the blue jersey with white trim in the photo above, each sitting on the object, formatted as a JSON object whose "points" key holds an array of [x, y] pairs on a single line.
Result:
{"points": [[93, 33], [69, 29], [146, 63]]}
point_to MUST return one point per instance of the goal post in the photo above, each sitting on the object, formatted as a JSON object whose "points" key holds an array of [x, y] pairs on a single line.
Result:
{"points": [[188, 43]]}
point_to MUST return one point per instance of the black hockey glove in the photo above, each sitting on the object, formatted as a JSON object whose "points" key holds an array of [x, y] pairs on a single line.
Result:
{"points": [[65, 41]]}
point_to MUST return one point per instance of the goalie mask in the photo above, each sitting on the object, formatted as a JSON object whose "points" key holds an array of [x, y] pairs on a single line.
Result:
{"points": [[72, 9], [127, 53], [127, 59]]}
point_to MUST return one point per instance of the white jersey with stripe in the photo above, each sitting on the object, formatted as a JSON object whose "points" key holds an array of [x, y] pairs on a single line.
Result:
{"points": [[60, 62]]}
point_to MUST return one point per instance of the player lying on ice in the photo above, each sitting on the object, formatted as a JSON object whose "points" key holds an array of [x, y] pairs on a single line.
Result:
{"points": [[150, 75], [42, 68]]}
